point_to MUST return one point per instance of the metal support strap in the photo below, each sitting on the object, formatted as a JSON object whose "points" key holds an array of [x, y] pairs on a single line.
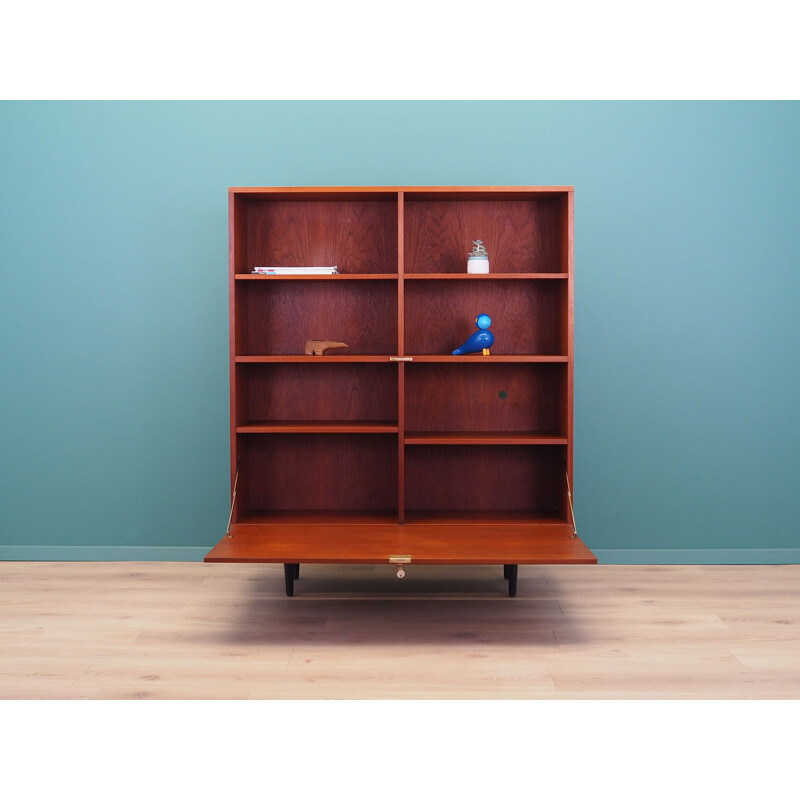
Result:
{"points": [[233, 501], [574, 533]]}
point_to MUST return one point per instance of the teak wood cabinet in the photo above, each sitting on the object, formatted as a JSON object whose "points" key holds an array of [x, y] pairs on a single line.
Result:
{"points": [[393, 451]]}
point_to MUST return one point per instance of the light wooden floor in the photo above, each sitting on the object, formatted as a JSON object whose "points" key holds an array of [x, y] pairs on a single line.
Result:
{"points": [[189, 630]]}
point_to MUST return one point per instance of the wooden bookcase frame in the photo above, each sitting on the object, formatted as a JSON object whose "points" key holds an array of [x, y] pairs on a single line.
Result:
{"points": [[394, 451]]}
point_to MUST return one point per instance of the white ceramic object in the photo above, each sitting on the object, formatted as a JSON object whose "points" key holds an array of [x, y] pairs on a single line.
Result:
{"points": [[477, 266]]}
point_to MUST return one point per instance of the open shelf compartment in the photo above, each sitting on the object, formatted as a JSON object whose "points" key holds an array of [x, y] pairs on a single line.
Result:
{"points": [[486, 482], [506, 400], [277, 317], [522, 232], [355, 232], [315, 393], [316, 473], [528, 317]]}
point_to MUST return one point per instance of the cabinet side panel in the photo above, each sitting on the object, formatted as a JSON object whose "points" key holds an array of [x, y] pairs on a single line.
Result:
{"points": [[237, 254], [570, 316]]}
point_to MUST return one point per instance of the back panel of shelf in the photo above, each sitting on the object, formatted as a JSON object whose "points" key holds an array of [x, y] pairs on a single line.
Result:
{"points": [[523, 233], [277, 317], [524, 481], [486, 397], [324, 391], [311, 472], [357, 235], [529, 317]]}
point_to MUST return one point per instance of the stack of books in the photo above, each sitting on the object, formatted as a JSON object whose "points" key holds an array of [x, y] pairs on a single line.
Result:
{"points": [[295, 270]]}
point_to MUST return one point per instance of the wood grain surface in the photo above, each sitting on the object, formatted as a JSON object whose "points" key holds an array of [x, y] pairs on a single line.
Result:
{"points": [[486, 478], [318, 472], [317, 391], [277, 318], [478, 277], [519, 235], [206, 631], [372, 276], [528, 317], [463, 396], [325, 439], [308, 426], [425, 543], [358, 236]]}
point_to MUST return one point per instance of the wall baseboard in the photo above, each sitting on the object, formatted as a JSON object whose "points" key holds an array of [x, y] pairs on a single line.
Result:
{"points": [[755, 555], [611, 556], [100, 553]]}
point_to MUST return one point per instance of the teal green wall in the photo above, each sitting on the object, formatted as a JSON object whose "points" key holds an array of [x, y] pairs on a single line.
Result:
{"points": [[113, 303]]}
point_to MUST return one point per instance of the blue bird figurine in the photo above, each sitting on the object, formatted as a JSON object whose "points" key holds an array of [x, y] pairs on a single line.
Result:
{"points": [[481, 340]]}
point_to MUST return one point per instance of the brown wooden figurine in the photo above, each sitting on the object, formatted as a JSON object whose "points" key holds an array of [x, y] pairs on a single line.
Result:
{"points": [[317, 347]]}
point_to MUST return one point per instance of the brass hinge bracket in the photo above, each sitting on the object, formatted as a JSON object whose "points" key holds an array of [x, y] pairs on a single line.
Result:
{"points": [[233, 502], [574, 533]]}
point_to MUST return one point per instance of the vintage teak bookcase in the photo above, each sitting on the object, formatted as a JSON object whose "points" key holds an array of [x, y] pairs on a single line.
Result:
{"points": [[393, 451]]}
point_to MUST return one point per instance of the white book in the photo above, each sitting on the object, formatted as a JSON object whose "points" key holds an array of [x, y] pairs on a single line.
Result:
{"points": [[295, 270]]}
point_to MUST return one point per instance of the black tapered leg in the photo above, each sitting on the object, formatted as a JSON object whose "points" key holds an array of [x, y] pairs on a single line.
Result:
{"points": [[288, 574], [296, 571], [512, 580], [505, 570]]}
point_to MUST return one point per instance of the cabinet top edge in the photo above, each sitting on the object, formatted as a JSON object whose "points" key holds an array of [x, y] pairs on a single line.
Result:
{"points": [[391, 189]]}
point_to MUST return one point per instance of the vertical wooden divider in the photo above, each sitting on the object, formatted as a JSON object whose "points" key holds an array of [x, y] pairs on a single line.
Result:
{"points": [[401, 375]]}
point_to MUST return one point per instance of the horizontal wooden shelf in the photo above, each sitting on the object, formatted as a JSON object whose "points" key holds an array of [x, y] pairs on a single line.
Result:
{"points": [[326, 359], [414, 276], [480, 437], [307, 426], [349, 276], [306, 517], [336, 193], [495, 518], [317, 194], [424, 544], [411, 437], [491, 276], [469, 193], [477, 358]]}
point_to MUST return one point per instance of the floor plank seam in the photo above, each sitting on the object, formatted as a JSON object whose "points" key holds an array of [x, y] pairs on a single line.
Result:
{"points": [[75, 683]]}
